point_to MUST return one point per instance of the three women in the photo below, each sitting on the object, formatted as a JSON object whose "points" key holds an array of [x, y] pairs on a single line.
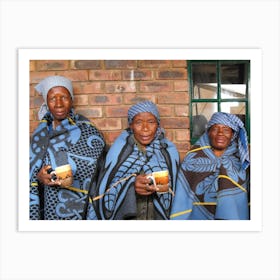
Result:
{"points": [[211, 183]]}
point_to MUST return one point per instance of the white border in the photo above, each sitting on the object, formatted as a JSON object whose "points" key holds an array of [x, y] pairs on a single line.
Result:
{"points": [[254, 55]]}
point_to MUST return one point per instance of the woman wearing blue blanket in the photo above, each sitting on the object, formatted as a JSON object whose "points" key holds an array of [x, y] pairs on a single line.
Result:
{"points": [[67, 142], [213, 182], [124, 189]]}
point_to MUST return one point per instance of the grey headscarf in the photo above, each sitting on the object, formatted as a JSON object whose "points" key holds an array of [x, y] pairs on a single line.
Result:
{"points": [[143, 107], [48, 83]]}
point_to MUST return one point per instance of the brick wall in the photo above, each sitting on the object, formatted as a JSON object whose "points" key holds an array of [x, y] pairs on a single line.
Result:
{"points": [[105, 89]]}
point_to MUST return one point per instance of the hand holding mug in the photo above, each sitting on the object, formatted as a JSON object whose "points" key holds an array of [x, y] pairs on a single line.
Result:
{"points": [[160, 179], [64, 175], [46, 176], [142, 186]]}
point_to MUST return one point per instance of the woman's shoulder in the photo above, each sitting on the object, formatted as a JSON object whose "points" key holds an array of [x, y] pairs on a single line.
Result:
{"points": [[87, 126], [121, 140], [168, 147], [81, 120], [168, 144]]}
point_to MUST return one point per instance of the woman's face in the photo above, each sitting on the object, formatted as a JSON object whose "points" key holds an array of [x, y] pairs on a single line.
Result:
{"points": [[220, 136], [59, 102], [144, 127]]}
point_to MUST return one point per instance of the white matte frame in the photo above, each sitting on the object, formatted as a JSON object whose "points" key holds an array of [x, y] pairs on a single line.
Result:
{"points": [[255, 57]]}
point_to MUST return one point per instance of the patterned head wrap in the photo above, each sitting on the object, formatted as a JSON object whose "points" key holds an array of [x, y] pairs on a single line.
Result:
{"points": [[143, 107], [240, 134], [48, 83]]}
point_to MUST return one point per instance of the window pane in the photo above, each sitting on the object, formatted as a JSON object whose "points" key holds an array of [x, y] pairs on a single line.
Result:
{"points": [[236, 108], [233, 80], [202, 113], [233, 107], [204, 78]]}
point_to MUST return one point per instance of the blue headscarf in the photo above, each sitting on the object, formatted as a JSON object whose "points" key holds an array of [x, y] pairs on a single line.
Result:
{"points": [[143, 107], [240, 134], [48, 83]]}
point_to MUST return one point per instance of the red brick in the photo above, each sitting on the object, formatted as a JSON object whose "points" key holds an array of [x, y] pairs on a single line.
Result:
{"points": [[169, 134], [182, 110], [165, 111], [33, 126], [111, 136], [105, 75], [32, 115], [181, 86], [86, 64], [36, 102], [137, 75], [135, 98], [124, 122], [173, 98], [182, 135], [43, 65], [90, 112], [108, 124], [32, 65], [80, 100], [154, 63], [32, 91], [112, 87], [156, 86], [36, 77], [120, 64], [179, 63], [87, 87], [105, 99], [75, 75], [183, 147], [119, 111], [171, 74], [173, 123], [182, 154]]}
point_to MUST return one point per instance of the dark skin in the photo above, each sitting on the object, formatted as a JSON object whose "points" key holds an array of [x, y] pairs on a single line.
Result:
{"points": [[144, 127], [60, 103], [220, 137]]}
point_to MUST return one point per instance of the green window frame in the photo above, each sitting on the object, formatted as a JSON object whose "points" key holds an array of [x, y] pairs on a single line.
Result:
{"points": [[218, 86]]}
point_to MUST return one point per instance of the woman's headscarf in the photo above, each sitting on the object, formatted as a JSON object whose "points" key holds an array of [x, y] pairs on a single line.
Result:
{"points": [[143, 107], [240, 133], [48, 83]]}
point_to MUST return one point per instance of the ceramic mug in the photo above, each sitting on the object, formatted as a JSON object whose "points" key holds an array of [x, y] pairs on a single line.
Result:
{"points": [[161, 180], [64, 175]]}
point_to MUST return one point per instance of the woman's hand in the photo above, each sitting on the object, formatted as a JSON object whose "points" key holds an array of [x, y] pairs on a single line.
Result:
{"points": [[45, 178], [142, 186]]}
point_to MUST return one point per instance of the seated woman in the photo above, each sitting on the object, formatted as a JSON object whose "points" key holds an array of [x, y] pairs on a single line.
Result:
{"points": [[62, 138], [124, 191], [213, 180]]}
